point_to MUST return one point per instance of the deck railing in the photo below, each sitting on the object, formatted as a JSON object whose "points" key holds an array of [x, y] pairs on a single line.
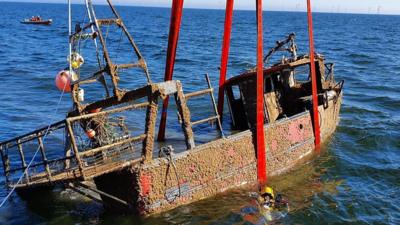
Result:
{"points": [[70, 160]]}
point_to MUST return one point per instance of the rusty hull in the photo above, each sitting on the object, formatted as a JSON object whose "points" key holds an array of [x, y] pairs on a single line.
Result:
{"points": [[219, 165]]}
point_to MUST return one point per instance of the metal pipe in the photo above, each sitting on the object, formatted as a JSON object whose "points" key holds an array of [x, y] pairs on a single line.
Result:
{"points": [[313, 80], [215, 106], [176, 17], [107, 147], [44, 159], [75, 149], [198, 93], [205, 120], [6, 163], [21, 154], [225, 55], [111, 111], [260, 135], [104, 194]]}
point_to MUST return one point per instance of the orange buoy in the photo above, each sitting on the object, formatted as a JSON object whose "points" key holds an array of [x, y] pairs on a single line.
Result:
{"points": [[63, 80], [91, 133]]}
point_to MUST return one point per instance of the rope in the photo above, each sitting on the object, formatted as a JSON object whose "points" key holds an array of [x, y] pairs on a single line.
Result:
{"points": [[168, 151], [48, 127]]}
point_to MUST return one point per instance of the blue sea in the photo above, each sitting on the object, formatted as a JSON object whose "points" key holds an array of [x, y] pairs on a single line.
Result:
{"points": [[355, 180]]}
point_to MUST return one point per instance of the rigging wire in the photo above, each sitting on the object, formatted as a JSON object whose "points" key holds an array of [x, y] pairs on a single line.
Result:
{"points": [[34, 155], [5, 199], [91, 27]]}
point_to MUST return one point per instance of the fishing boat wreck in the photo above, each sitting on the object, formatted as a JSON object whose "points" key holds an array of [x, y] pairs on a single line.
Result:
{"points": [[108, 147]]}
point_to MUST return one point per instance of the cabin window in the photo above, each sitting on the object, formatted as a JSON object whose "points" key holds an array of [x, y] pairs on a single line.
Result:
{"points": [[236, 92], [268, 85], [302, 74]]}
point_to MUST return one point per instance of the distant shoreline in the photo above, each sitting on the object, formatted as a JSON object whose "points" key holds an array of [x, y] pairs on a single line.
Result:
{"points": [[194, 8]]}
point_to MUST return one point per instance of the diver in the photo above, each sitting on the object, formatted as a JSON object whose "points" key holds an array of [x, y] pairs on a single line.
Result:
{"points": [[271, 206]]}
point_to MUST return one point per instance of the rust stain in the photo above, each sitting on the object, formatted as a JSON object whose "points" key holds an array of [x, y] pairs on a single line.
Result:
{"points": [[145, 184]]}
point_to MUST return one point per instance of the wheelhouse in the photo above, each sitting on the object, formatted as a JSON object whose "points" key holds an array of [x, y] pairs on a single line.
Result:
{"points": [[287, 91]]}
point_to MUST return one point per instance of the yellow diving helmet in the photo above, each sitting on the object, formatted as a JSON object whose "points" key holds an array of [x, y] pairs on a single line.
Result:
{"points": [[77, 60], [267, 191]]}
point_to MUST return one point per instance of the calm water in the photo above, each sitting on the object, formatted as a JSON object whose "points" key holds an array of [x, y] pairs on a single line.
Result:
{"points": [[355, 180]]}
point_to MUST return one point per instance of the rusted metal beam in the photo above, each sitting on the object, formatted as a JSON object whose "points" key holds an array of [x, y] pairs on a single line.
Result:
{"points": [[44, 158], [260, 135], [176, 17], [142, 62], [198, 93], [93, 78], [106, 55], [215, 106], [106, 147], [184, 113], [85, 193], [102, 193], [21, 154], [127, 97], [225, 55], [151, 120], [75, 148], [161, 89], [317, 132], [127, 65], [124, 108], [6, 163], [205, 120], [109, 21]]}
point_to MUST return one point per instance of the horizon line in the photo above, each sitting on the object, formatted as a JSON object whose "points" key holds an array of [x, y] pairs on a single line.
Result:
{"points": [[201, 8]]}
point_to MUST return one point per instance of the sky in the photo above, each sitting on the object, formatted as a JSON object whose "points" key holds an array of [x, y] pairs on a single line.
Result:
{"points": [[342, 6]]}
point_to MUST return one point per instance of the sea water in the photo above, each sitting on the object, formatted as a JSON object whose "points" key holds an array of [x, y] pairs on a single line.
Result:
{"points": [[355, 180]]}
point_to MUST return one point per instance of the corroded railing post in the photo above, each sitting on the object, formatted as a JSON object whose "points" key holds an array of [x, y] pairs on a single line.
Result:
{"points": [[23, 162], [44, 158], [151, 117], [185, 115], [21, 154], [75, 148], [6, 163]]}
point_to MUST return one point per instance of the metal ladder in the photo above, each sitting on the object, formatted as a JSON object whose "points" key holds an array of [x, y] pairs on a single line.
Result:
{"points": [[216, 117]]}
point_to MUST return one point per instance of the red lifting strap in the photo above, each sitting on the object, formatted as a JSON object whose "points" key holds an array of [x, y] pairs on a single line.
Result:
{"points": [[225, 55], [313, 80], [260, 136], [176, 17]]}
